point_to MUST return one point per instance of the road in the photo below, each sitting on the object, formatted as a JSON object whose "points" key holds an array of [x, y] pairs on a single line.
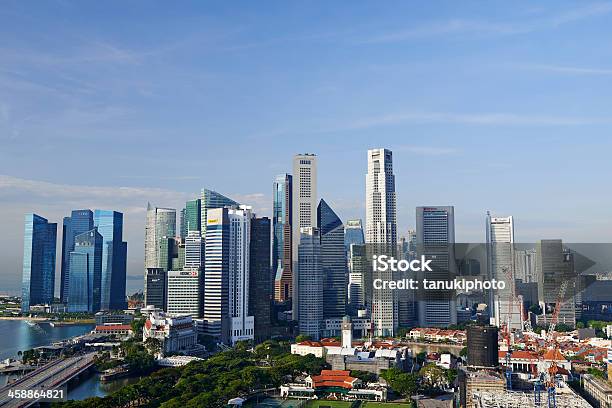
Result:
{"points": [[50, 376]]}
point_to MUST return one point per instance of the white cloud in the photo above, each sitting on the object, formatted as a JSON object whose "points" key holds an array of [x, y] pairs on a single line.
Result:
{"points": [[480, 119], [567, 69], [466, 26]]}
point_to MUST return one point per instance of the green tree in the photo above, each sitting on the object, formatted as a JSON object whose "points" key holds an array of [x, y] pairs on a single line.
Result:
{"points": [[433, 377], [137, 326]]}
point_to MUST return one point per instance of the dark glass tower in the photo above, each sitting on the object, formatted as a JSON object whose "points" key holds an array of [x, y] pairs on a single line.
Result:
{"points": [[155, 287], [85, 273], [282, 259], [38, 282], [259, 280], [79, 222], [193, 209], [114, 259], [333, 262]]}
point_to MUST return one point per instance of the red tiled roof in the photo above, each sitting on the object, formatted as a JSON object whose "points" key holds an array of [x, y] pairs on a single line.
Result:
{"points": [[330, 342], [310, 343], [111, 327], [519, 354], [333, 378], [554, 355]]}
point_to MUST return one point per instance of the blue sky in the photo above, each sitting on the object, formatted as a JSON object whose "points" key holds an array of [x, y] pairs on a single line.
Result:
{"points": [[486, 105]]}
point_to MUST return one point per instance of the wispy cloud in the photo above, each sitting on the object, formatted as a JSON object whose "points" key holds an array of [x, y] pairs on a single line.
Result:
{"points": [[477, 119], [427, 150], [564, 69], [470, 26]]}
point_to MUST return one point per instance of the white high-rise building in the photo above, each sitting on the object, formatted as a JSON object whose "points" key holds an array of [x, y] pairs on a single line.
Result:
{"points": [[524, 262], [184, 294], [381, 213], [193, 250], [435, 235], [381, 233], [501, 266], [160, 223], [304, 195], [226, 287]]}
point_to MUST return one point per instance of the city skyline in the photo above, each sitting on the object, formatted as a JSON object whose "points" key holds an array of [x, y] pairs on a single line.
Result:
{"points": [[521, 92]]}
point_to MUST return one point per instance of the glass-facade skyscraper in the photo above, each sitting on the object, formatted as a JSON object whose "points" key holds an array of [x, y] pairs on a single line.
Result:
{"points": [[79, 222], [282, 256], [193, 214], [435, 231], [260, 295], [160, 226], [114, 259], [211, 199], [353, 233], [311, 283], [85, 273], [38, 281], [333, 262]]}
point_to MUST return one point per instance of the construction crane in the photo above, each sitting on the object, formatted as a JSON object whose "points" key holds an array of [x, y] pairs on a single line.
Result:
{"points": [[555, 316], [548, 379]]}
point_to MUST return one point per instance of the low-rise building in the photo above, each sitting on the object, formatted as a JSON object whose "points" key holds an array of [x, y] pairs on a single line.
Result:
{"points": [[598, 391], [474, 382], [103, 318], [338, 383], [176, 333], [116, 329]]}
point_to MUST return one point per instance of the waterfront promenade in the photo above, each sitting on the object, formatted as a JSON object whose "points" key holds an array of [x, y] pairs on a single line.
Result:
{"points": [[48, 377]]}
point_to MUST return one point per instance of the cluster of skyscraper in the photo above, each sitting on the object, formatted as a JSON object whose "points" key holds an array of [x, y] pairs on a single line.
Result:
{"points": [[93, 261], [219, 269], [236, 273], [208, 271]]}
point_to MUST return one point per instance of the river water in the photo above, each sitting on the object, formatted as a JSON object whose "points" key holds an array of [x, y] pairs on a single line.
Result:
{"points": [[17, 335]]}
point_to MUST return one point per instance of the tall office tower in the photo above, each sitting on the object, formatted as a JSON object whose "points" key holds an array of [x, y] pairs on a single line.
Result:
{"points": [[333, 262], [211, 199], [412, 244], [38, 282], [311, 283], [506, 308], [381, 235], [183, 224], [358, 262], [242, 322], [216, 272], [304, 195], [155, 286], [381, 217], [353, 234], [226, 285], [85, 273], [184, 293], [80, 221], [282, 257], [260, 287], [435, 229], [555, 265], [194, 250], [179, 262], [166, 252], [160, 226], [193, 214], [114, 259], [524, 261]]}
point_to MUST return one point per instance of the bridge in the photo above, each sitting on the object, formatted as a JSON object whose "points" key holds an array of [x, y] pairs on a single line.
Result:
{"points": [[51, 376]]}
